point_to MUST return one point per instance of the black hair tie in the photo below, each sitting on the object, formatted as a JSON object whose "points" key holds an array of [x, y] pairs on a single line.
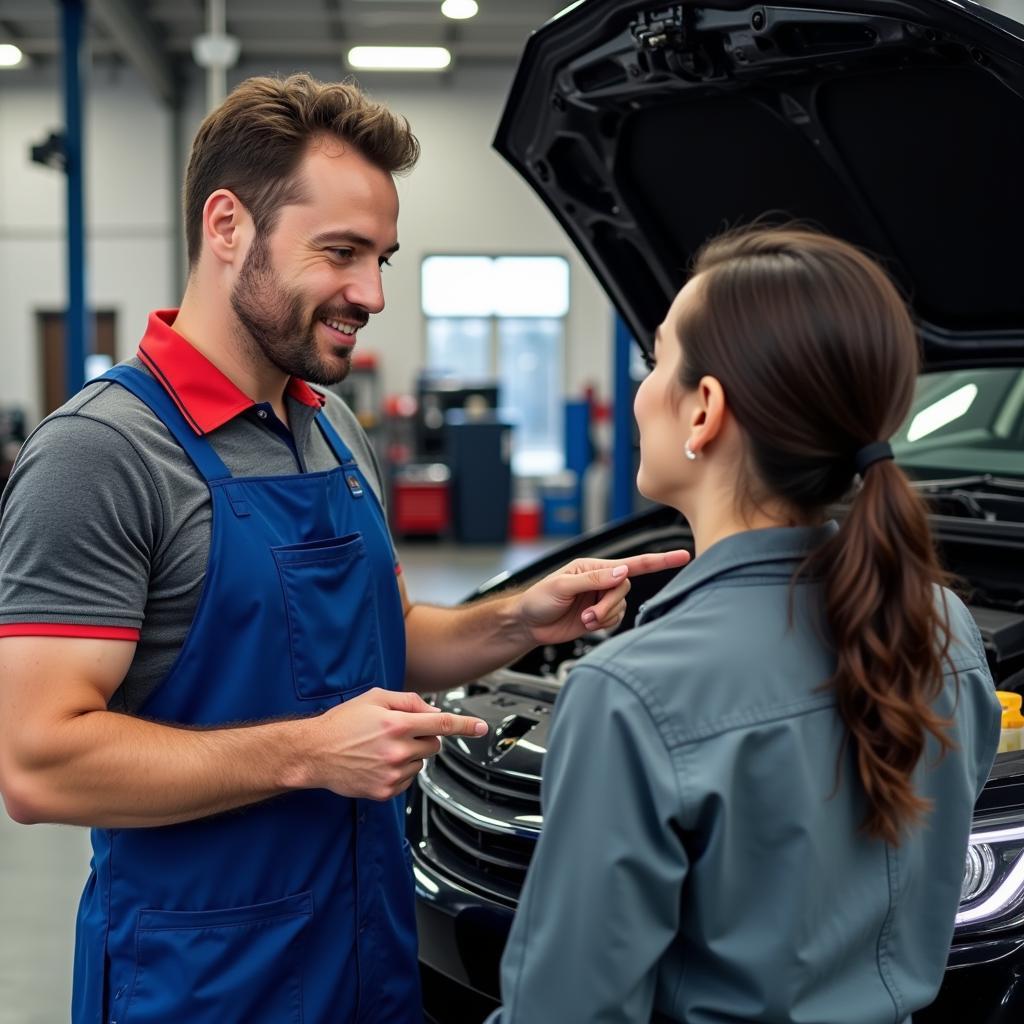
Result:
{"points": [[872, 453]]}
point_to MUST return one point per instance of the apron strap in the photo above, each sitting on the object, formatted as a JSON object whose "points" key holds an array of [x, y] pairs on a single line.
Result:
{"points": [[151, 393], [333, 439], [345, 457]]}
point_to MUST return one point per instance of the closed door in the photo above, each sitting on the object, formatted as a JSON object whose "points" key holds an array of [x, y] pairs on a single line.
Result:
{"points": [[51, 328]]}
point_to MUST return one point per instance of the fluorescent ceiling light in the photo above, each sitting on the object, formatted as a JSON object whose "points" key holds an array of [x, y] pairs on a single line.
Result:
{"points": [[399, 58], [459, 9], [10, 55]]}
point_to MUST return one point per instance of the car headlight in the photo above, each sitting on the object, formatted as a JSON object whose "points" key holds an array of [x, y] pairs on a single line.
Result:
{"points": [[992, 895]]}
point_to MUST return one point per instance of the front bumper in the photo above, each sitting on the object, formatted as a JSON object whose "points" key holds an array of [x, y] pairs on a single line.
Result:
{"points": [[462, 936], [983, 984]]}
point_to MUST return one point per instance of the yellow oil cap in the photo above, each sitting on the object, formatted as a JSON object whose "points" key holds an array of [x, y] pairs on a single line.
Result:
{"points": [[1013, 718]]}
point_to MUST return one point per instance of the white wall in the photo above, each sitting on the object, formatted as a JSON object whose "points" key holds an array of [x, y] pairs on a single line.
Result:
{"points": [[461, 198]]}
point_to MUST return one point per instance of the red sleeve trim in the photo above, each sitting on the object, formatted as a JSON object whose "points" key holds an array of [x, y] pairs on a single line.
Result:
{"points": [[398, 568], [69, 629]]}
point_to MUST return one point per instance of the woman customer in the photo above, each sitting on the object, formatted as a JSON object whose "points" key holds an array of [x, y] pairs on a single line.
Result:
{"points": [[757, 802]]}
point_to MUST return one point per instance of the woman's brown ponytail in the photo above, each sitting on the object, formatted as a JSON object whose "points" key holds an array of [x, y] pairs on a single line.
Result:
{"points": [[817, 355], [891, 637]]}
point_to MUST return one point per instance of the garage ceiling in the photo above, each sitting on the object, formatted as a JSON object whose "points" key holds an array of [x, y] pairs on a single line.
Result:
{"points": [[159, 33]]}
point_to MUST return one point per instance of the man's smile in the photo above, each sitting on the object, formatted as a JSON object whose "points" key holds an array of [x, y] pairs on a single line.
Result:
{"points": [[341, 327]]}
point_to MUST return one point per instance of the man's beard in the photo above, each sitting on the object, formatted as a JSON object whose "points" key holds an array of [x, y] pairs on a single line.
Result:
{"points": [[274, 326]]}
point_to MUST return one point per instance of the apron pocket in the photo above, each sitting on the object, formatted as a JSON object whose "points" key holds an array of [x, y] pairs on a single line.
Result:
{"points": [[212, 966], [331, 605]]}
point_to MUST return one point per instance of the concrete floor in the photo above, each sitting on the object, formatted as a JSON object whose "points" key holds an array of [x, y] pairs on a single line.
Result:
{"points": [[43, 867]]}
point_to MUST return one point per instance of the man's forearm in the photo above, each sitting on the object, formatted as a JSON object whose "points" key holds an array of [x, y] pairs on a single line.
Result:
{"points": [[109, 770], [449, 646]]}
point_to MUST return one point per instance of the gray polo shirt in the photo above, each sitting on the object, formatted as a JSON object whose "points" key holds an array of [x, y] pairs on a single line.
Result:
{"points": [[105, 523], [701, 860]]}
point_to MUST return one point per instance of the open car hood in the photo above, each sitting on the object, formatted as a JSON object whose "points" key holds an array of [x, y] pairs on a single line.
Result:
{"points": [[647, 127]]}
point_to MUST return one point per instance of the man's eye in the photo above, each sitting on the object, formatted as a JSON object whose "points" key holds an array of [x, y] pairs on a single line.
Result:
{"points": [[383, 262], [342, 254]]}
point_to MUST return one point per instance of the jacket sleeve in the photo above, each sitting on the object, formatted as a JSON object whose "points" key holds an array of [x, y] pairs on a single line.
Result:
{"points": [[602, 896]]}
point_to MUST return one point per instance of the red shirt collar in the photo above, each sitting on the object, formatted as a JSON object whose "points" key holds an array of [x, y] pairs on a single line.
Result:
{"points": [[205, 397]]}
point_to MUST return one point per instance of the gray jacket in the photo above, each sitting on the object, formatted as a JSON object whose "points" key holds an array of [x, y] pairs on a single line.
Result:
{"points": [[701, 860]]}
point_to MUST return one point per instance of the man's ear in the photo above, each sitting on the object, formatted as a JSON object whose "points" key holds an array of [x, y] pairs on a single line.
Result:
{"points": [[227, 227], [707, 416]]}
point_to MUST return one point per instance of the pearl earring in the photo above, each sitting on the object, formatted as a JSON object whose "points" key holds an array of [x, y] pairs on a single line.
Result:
{"points": [[690, 453]]}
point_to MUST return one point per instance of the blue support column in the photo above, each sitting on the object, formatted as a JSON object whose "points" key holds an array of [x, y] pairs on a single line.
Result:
{"points": [[77, 328], [623, 476]]}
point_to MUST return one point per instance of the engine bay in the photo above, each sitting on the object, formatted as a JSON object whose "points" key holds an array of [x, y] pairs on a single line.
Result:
{"points": [[981, 574]]}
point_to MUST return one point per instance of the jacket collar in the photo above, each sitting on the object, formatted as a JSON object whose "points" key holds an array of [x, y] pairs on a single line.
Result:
{"points": [[204, 396], [733, 555]]}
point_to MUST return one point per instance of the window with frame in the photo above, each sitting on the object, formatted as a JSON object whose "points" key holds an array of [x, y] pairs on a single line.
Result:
{"points": [[503, 317]]}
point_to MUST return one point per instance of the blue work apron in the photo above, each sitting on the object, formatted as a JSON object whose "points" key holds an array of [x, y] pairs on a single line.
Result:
{"points": [[300, 908]]}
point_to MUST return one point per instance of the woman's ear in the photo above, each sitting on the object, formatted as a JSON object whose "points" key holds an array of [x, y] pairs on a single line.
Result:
{"points": [[225, 226], [707, 416]]}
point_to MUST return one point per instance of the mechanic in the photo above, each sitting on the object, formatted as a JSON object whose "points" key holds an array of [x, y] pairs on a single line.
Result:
{"points": [[765, 789], [205, 642]]}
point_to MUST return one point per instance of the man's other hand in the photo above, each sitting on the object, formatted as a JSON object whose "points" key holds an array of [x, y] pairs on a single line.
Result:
{"points": [[374, 745]]}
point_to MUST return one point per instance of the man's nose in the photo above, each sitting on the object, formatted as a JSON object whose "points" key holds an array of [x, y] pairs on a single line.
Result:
{"points": [[366, 291]]}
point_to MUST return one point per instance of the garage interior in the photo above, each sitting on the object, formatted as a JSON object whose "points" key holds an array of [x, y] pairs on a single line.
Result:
{"points": [[496, 410]]}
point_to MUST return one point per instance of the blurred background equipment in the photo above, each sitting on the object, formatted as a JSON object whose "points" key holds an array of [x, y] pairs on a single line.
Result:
{"points": [[439, 394], [361, 390], [478, 445], [420, 501], [449, 457]]}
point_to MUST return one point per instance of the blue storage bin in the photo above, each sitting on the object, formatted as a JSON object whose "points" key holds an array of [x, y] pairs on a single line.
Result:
{"points": [[560, 505]]}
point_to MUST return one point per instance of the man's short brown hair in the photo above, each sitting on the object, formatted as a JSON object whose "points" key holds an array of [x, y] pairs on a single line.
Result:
{"points": [[254, 141]]}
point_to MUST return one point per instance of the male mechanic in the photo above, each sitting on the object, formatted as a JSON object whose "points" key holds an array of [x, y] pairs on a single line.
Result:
{"points": [[204, 642]]}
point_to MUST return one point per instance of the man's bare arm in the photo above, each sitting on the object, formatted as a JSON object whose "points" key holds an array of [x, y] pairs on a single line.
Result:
{"points": [[448, 646], [65, 758]]}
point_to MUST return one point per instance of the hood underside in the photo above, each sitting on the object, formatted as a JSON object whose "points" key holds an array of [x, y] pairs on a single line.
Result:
{"points": [[648, 128]]}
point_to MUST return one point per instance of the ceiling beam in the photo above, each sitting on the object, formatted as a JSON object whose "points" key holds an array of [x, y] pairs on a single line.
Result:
{"points": [[286, 49], [335, 22], [137, 39], [9, 32]]}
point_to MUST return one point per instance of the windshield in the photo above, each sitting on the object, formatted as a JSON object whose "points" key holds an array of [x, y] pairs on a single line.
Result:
{"points": [[964, 422]]}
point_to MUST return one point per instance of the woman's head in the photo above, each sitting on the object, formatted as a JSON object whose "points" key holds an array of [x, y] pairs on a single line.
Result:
{"points": [[798, 340], [786, 354]]}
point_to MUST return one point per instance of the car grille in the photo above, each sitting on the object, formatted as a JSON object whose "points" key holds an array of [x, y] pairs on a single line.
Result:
{"points": [[473, 828], [493, 787]]}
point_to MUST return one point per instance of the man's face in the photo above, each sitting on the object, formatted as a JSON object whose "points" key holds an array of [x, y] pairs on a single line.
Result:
{"points": [[306, 287]]}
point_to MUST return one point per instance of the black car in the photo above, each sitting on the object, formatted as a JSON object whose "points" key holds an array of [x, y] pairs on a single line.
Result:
{"points": [[648, 127]]}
